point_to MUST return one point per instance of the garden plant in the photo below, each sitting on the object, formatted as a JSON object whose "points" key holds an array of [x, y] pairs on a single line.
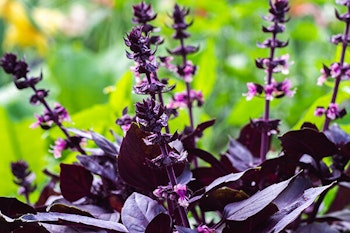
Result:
{"points": [[156, 177]]}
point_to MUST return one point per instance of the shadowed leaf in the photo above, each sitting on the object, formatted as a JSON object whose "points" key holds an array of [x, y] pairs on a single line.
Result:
{"points": [[139, 211], [75, 181]]}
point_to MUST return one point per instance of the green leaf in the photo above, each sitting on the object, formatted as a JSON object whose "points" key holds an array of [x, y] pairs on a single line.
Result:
{"points": [[206, 76], [18, 141]]}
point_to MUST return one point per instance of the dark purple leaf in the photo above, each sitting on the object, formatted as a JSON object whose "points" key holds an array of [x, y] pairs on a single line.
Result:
{"points": [[222, 181], [8, 224], [239, 156], [219, 198], [290, 209], [47, 192], [240, 211], [134, 162], [138, 211], [250, 137], [160, 224], [73, 219], [316, 227], [75, 181], [108, 147], [197, 133], [13, 208], [307, 141], [207, 157]]}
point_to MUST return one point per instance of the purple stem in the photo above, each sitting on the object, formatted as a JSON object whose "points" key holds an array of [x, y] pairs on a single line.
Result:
{"points": [[57, 122], [173, 182], [264, 147], [338, 78]]}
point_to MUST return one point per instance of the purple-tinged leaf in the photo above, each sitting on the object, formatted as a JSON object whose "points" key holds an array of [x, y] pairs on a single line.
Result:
{"points": [[307, 141], [289, 211], [239, 156], [138, 211], [108, 147], [185, 230], [75, 181], [13, 208], [240, 211], [61, 208], [80, 133], [316, 227], [160, 224], [222, 181], [186, 176], [337, 135], [73, 219], [134, 162], [104, 165]]}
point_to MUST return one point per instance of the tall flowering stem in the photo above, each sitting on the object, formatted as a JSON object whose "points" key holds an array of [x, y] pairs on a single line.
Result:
{"points": [[272, 89], [151, 113], [338, 71], [52, 116], [186, 70]]}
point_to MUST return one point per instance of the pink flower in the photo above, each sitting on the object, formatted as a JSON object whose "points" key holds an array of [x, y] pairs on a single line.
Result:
{"points": [[180, 99], [332, 111], [252, 91], [60, 145], [269, 89], [205, 229], [181, 190], [323, 78], [335, 70], [319, 111], [286, 88]]}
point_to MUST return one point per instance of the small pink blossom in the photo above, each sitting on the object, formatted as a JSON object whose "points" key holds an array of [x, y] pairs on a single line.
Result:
{"points": [[332, 111], [252, 91], [335, 70], [60, 145], [205, 229], [323, 78], [319, 111], [180, 99], [269, 90], [286, 88], [181, 190]]}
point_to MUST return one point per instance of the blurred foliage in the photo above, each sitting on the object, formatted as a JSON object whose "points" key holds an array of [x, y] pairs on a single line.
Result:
{"points": [[79, 47]]}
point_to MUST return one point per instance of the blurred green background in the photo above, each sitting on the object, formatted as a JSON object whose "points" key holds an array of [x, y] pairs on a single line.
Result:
{"points": [[79, 47]]}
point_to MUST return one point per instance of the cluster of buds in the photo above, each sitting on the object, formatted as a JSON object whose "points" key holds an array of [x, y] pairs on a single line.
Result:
{"points": [[278, 10], [273, 90], [23, 178], [179, 192], [180, 99], [48, 118], [336, 70], [64, 144]]}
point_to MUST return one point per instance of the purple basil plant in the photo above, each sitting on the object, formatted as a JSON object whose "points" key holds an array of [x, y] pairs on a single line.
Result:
{"points": [[155, 180]]}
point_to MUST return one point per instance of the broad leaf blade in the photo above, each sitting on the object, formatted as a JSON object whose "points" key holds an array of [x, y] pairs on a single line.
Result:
{"points": [[73, 219], [240, 211], [75, 181], [138, 211]]}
